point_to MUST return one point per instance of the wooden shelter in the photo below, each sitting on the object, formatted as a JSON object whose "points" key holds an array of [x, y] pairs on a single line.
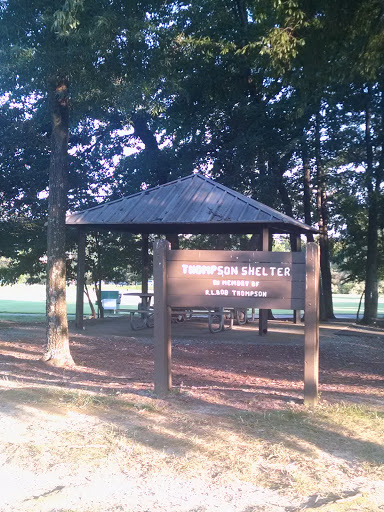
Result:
{"points": [[191, 205], [194, 204]]}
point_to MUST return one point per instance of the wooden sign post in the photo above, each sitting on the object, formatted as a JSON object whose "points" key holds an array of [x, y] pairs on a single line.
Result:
{"points": [[163, 342], [236, 279], [311, 329]]}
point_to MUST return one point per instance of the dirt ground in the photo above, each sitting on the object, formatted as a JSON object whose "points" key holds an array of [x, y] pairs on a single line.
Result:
{"points": [[218, 379], [233, 369]]}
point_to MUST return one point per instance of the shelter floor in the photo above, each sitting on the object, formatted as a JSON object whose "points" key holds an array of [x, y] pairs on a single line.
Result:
{"points": [[196, 330]]}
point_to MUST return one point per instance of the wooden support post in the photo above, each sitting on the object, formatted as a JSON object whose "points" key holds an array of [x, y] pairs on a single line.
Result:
{"points": [[296, 247], [263, 322], [263, 313], [297, 316], [80, 280], [162, 331], [144, 263], [311, 343]]}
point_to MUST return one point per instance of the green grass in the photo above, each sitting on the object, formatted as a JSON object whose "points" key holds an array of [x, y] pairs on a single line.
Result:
{"points": [[34, 303], [29, 300], [347, 305], [20, 307]]}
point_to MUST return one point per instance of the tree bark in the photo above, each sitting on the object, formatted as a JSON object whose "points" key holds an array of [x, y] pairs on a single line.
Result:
{"points": [[287, 203], [173, 239], [253, 242], [81, 248], [371, 276], [307, 188], [93, 311], [322, 209], [99, 277], [57, 350], [159, 162], [278, 171]]}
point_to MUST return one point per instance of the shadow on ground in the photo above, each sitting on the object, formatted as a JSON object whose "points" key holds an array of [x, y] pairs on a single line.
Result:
{"points": [[235, 369]]}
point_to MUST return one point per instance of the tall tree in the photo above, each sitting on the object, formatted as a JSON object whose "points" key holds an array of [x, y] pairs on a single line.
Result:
{"points": [[57, 348], [322, 211], [46, 48]]}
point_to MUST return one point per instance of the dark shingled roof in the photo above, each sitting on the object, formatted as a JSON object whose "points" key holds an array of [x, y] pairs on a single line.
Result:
{"points": [[194, 204]]}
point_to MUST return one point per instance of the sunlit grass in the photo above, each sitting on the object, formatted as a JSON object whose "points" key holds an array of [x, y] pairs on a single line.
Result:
{"points": [[298, 452], [22, 298]]}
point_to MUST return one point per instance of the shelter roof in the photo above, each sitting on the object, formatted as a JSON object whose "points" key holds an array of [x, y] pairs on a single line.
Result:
{"points": [[194, 204]]}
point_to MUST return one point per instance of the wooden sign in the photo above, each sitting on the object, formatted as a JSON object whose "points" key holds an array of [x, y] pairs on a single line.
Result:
{"points": [[236, 279]]}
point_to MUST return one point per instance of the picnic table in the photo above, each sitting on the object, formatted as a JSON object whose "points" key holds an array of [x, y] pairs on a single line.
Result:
{"points": [[143, 316], [146, 298]]}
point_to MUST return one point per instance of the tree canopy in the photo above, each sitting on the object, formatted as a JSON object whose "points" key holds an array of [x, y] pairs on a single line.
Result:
{"points": [[281, 100]]}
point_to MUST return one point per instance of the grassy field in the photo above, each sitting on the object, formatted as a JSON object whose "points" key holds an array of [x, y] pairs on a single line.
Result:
{"points": [[19, 300]]}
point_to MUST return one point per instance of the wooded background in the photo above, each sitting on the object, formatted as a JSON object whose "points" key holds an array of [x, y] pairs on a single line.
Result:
{"points": [[280, 100]]}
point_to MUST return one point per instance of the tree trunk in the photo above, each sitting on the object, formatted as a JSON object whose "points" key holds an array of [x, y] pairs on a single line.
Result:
{"points": [[159, 163], [325, 264], [173, 239], [287, 203], [98, 277], [93, 312], [371, 277], [99, 300], [253, 243], [307, 199], [57, 350], [278, 171]]}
